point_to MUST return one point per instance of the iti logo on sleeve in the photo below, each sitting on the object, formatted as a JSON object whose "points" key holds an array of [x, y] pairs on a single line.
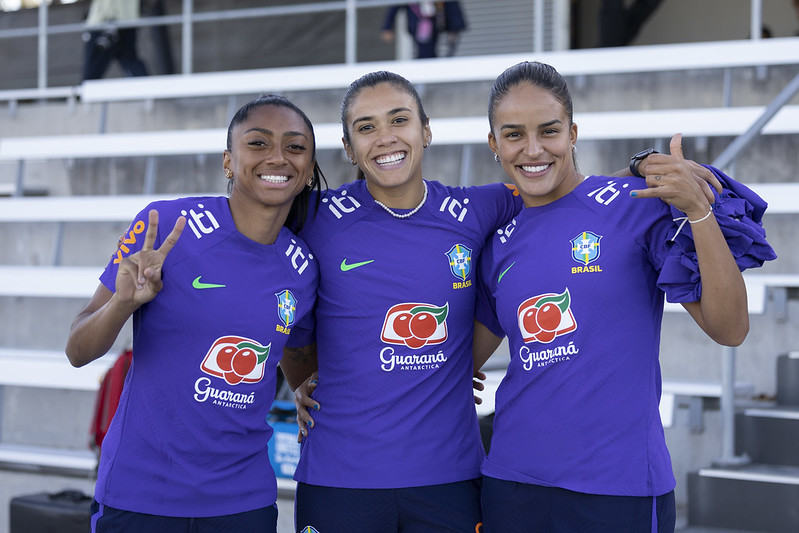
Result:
{"points": [[544, 317], [460, 261], [585, 247], [415, 324], [286, 307], [236, 360]]}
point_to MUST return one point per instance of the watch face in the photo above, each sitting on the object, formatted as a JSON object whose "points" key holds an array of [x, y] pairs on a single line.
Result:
{"points": [[637, 158], [643, 153]]}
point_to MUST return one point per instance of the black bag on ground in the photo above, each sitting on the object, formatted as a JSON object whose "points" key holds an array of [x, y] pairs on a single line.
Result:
{"points": [[61, 512]]}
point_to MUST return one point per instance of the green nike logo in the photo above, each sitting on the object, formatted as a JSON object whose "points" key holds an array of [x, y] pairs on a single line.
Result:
{"points": [[197, 284], [505, 272], [345, 267]]}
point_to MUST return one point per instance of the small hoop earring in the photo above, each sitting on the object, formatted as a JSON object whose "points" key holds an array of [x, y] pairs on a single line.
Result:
{"points": [[574, 148], [310, 183], [426, 145], [496, 157]]}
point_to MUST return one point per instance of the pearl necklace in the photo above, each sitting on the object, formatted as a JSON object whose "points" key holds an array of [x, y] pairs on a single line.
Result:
{"points": [[409, 213]]}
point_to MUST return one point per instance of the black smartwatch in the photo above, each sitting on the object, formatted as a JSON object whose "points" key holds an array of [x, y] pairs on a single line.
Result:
{"points": [[637, 158]]}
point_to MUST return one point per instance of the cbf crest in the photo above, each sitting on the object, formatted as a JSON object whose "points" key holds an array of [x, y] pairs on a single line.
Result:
{"points": [[286, 307], [585, 247], [460, 261]]}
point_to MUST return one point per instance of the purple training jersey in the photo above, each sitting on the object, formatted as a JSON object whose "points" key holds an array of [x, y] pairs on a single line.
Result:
{"points": [[394, 320], [190, 435], [575, 287]]}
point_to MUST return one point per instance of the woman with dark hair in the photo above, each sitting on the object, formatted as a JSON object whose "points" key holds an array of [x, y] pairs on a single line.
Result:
{"points": [[577, 282], [394, 443], [212, 305]]}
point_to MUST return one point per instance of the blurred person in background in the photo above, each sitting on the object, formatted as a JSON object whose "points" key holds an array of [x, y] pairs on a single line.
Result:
{"points": [[796, 8], [103, 45], [426, 21], [619, 24]]}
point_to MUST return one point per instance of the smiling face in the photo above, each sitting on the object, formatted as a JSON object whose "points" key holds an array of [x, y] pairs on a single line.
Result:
{"points": [[270, 157], [386, 140], [533, 137]]}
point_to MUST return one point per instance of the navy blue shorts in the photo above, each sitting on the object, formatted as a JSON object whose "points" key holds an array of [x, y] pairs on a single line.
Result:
{"points": [[109, 520], [511, 506], [453, 507]]}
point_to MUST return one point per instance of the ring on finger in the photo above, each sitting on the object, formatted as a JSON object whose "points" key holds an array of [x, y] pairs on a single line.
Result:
{"points": [[657, 178]]}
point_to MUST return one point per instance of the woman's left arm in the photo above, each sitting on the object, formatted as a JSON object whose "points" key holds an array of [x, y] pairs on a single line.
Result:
{"points": [[722, 308]]}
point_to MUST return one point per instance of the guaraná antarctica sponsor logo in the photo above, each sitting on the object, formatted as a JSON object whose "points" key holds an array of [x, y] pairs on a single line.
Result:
{"points": [[541, 319], [414, 325], [235, 360]]}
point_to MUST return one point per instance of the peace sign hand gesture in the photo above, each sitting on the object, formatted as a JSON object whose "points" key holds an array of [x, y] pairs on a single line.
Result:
{"points": [[139, 275]]}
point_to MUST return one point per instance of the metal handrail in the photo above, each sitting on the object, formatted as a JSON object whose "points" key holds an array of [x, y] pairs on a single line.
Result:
{"points": [[350, 7], [189, 17], [736, 146], [723, 161]]}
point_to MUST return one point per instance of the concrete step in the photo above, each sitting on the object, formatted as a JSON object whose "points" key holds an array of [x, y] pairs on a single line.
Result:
{"points": [[682, 525], [788, 379], [755, 498], [697, 529], [769, 435]]}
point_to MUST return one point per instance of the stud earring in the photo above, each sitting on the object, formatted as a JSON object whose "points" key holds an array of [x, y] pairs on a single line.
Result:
{"points": [[228, 173]]}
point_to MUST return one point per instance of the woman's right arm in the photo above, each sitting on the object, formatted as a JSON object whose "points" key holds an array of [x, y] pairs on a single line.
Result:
{"points": [[96, 327], [138, 281], [485, 344], [299, 365]]}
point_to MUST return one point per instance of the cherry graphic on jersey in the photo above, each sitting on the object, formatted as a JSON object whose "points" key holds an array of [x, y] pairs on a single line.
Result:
{"points": [[542, 317], [423, 325], [238, 361], [233, 378], [225, 358], [545, 336], [415, 342], [415, 324], [530, 322], [402, 325], [244, 361], [549, 316]]}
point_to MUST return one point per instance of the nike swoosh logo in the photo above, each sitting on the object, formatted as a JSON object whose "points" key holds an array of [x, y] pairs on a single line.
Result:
{"points": [[345, 267], [505, 272], [197, 284]]}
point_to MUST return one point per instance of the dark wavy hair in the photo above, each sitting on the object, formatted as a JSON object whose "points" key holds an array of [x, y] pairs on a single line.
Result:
{"points": [[374, 79], [299, 207], [539, 75]]}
